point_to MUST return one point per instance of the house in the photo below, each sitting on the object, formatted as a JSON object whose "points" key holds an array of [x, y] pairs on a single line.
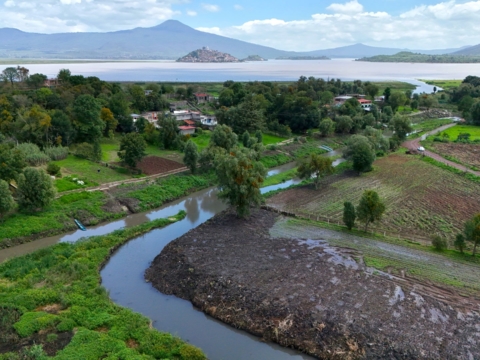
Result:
{"points": [[203, 97], [182, 115], [189, 122], [152, 117], [379, 99], [365, 104], [135, 117], [209, 121], [340, 100], [148, 92], [186, 130], [51, 83]]}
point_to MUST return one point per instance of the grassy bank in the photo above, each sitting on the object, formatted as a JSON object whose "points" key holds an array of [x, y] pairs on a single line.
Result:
{"points": [[52, 301], [93, 207], [444, 84]]}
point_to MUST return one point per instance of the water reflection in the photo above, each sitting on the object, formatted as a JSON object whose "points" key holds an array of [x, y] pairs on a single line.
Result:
{"points": [[193, 213]]}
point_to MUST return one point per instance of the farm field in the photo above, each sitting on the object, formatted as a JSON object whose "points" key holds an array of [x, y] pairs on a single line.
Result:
{"points": [[453, 132], [466, 154], [421, 199], [152, 165]]}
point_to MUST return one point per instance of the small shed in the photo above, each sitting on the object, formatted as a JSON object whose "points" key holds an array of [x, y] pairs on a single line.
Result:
{"points": [[186, 130]]}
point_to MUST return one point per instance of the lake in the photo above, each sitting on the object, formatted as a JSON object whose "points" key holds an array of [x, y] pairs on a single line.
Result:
{"points": [[280, 70]]}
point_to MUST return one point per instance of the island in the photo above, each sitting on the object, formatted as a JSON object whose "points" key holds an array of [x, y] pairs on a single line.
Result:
{"points": [[205, 55], [254, 58], [303, 58], [410, 57]]}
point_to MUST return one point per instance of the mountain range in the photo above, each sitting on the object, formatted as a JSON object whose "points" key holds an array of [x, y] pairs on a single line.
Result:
{"points": [[169, 40]]}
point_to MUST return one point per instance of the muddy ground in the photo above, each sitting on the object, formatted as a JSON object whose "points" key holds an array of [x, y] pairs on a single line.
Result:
{"points": [[308, 295]]}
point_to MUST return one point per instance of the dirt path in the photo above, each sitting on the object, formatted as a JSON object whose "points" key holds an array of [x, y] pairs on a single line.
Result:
{"points": [[414, 144]]}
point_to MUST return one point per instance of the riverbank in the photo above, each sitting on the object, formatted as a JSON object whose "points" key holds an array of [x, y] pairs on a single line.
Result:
{"points": [[308, 295], [52, 303]]}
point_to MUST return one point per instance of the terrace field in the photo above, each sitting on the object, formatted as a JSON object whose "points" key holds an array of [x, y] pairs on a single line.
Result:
{"points": [[421, 199]]}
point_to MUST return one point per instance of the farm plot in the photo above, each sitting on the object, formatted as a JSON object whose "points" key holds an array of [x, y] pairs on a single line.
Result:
{"points": [[152, 165], [421, 199], [467, 154]]}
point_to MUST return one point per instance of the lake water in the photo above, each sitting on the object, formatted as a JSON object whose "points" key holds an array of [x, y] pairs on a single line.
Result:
{"points": [[280, 70]]}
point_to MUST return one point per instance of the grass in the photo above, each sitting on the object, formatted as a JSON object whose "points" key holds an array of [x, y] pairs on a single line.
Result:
{"points": [[278, 159], [425, 125], [68, 183], [394, 85], [272, 139], [89, 207], [202, 140], [65, 277], [280, 178], [444, 84], [453, 132]]}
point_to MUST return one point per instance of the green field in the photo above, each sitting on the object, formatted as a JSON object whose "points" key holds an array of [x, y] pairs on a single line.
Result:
{"points": [[474, 131], [444, 84], [272, 139], [54, 297]]}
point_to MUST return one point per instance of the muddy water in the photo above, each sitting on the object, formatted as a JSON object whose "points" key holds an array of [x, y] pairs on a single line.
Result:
{"points": [[123, 278]]}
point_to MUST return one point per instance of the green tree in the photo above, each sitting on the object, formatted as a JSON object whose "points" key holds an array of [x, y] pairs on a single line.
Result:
{"points": [[36, 80], [475, 113], [259, 136], [132, 149], [89, 125], [439, 243], [191, 156], [35, 190], [371, 90], [118, 104], [168, 132], [370, 208], [12, 162], [141, 124], [6, 200], [472, 232], [317, 166], [327, 127], [97, 151], [402, 127], [10, 74], [459, 243], [110, 122], [344, 124], [246, 139], [396, 100], [360, 151], [224, 137], [349, 215], [387, 92], [240, 178]]}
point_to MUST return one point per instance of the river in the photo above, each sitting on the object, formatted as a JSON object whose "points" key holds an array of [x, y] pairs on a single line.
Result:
{"points": [[279, 70], [123, 277]]}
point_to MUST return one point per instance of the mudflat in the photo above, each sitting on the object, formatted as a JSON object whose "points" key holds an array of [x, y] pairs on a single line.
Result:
{"points": [[309, 295]]}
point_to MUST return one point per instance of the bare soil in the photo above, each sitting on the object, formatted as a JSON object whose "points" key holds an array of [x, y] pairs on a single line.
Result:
{"points": [[308, 295], [468, 154], [153, 165]]}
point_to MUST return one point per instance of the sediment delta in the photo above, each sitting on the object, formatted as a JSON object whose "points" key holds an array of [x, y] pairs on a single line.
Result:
{"points": [[310, 296]]}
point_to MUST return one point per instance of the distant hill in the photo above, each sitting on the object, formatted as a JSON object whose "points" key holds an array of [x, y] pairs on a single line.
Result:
{"points": [[169, 40], [472, 50], [409, 57], [205, 55]]}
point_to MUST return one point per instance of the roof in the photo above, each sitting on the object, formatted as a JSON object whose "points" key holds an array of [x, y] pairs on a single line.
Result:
{"points": [[189, 122], [201, 94], [345, 97], [364, 101], [186, 127]]}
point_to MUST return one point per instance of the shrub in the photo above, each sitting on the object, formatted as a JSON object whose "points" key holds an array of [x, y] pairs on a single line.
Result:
{"points": [[84, 151], [272, 147], [57, 153], [199, 131], [460, 243], [439, 243], [33, 155], [53, 169]]}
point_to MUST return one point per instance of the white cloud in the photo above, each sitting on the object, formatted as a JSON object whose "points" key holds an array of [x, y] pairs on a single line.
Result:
{"points": [[191, 13], [238, 7], [351, 7], [9, 3], [211, 7], [447, 24]]}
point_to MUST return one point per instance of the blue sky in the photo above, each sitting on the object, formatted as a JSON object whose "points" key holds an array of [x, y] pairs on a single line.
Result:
{"points": [[299, 25]]}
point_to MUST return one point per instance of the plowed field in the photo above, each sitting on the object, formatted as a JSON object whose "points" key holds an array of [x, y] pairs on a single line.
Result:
{"points": [[152, 165], [467, 154], [421, 199]]}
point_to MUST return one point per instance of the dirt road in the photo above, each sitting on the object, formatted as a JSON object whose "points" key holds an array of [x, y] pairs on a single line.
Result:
{"points": [[414, 144]]}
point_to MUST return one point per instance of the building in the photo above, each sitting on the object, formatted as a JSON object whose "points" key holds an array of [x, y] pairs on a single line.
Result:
{"points": [[209, 121], [51, 83], [186, 130], [135, 117], [182, 115], [340, 100], [365, 104], [148, 92], [203, 97]]}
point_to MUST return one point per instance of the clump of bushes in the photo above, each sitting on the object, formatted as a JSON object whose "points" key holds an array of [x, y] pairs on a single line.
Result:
{"points": [[57, 153], [53, 169], [33, 155], [439, 243]]}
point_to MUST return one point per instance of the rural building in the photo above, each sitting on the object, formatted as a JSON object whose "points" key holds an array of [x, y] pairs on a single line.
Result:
{"points": [[148, 92], [186, 130], [340, 100], [51, 83], [209, 121], [135, 117], [365, 104], [203, 98], [182, 115]]}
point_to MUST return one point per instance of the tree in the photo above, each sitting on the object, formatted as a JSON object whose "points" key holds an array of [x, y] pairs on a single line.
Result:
{"points": [[371, 90], [141, 124], [110, 122], [132, 149], [360, 151], [12, 162], [191, 156], [387, 93], [343, 124], [35, 190], [247, 116], [169, 132], [401, 126], [472, 232], [224, 137], [6, 200], [439, 243], [317, 166], [397, 99], [36, 80], [259, 136], [246, 139], [459, 243], [349, 215], [475, 113], [89, 125], [240, 177], [327, 127], [370, 208], [10, 74]]}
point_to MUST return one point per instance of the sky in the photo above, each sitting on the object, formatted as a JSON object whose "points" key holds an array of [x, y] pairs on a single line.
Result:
{"points": [[299, 25]]}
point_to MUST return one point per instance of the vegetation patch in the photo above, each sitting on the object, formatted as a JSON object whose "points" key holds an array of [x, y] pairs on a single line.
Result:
{"points": [[454, 131], [56, 291]]}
